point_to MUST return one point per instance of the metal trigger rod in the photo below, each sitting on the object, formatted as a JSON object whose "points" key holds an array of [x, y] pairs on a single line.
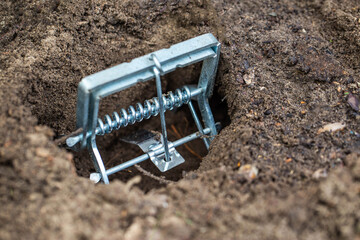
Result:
{"points": [[157, 69]]}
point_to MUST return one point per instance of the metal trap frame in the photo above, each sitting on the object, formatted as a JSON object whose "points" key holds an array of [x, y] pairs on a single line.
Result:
{"points": [[159, 150]]}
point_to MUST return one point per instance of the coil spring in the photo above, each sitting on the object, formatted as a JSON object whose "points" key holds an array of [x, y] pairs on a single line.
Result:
{"points": [[139, 112]]}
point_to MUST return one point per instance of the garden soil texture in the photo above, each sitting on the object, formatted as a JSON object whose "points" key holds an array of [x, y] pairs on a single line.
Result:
{"points": [[277, 169]]}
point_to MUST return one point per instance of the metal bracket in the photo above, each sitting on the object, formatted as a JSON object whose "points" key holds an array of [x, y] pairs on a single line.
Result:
{"points": [[150, 143], [99, 85]]}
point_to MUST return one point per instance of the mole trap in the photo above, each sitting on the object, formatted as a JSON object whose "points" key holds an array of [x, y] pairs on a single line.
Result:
{"points": [[159, 150]]}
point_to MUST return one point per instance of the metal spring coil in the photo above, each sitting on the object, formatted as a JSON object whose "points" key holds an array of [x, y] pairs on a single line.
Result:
{"points": [[137, 114]]}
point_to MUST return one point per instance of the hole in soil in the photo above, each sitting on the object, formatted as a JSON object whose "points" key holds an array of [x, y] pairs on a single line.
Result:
{"points": [[179, 124]]}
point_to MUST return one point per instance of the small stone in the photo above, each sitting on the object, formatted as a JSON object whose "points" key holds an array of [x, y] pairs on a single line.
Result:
{"points": [[82, 23], [249, 78], [42, 152], [273, 14], [267, 112], [249, 171], [320, 173]]}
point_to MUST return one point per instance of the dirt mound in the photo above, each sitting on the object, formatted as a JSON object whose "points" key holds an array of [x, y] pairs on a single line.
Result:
{"points": [[287, 69]]}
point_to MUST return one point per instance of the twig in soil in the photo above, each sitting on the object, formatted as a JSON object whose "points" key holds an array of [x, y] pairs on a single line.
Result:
{"points": [[186, 126], [146, 173], [178, 135], [63, 138], [112, 159]]}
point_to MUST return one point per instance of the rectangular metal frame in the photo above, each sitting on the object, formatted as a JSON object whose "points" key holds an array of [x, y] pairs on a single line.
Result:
{"points": [[93, 88]]}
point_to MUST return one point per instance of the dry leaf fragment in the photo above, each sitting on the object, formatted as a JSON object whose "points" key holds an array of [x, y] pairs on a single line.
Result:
{"points": [[353, 101], [331, 127]]}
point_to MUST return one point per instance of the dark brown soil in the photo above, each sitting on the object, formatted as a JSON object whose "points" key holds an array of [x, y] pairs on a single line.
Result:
{"points": [[287, 69]]}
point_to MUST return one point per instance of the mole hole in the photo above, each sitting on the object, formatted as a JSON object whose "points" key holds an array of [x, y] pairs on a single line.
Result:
{"points": [[179, 123]]}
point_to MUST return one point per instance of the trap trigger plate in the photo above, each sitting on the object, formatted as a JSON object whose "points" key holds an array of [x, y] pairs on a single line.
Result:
{"points": [[151, 144]]}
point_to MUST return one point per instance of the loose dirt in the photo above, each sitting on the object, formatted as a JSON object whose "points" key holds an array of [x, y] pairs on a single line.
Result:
{"points": [[287, 69]]}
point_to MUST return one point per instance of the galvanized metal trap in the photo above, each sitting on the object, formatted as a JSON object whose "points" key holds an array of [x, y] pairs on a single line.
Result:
{"points": [[158, 149]]}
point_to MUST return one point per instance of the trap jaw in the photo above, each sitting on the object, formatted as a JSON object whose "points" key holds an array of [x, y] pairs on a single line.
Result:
{"points": [[118, 78]]}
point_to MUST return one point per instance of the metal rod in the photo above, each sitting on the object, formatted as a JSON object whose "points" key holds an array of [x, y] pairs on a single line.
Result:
{"points": [[127, 164], [198, 124], [98, 163], [157, 152], [162, 109]]}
